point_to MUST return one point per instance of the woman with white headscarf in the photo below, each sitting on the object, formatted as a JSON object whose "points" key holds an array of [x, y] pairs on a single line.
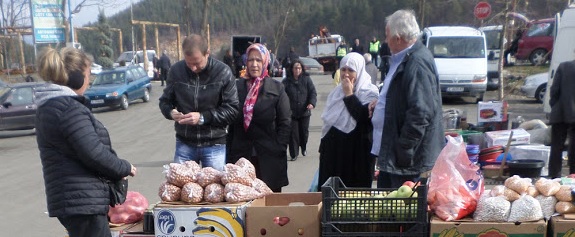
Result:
{"points": [[345, 138]]}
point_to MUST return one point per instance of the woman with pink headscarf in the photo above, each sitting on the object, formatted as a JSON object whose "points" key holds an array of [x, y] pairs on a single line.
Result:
{"points": [[262, 131]]}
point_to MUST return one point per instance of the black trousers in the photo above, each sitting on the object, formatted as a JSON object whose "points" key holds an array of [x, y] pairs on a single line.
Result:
{"points": [[299, 135], [559, 133], [163, 75], [86, 225]]}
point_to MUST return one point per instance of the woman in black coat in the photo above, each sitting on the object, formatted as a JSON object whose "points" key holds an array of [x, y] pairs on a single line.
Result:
{"points": [[303, 97], [75, 148], [261, 133]]}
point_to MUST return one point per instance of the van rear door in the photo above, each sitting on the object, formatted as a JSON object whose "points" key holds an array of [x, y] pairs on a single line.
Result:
{"points": [[563, 48]]}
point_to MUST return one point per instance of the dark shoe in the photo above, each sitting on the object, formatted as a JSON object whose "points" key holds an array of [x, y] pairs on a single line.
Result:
{"points": [[294, 158], [304, 153]]}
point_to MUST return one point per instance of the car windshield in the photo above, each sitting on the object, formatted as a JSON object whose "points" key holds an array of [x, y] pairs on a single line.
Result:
{"points": [[457, 47], [110, 78]]}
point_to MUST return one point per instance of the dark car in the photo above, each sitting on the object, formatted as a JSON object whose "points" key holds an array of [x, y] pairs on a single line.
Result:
{"points": [[536, 43], [312, 66], [18, 105], [118, 87]]}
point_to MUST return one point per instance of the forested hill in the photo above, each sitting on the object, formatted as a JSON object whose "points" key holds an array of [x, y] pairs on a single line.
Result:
{"points": [[290, 22]]}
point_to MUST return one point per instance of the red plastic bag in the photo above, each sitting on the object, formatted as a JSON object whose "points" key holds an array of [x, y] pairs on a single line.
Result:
{"points": [[130, 211], [455, 184]]}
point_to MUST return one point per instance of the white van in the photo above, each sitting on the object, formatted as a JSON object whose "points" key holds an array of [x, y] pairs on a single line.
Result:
{"points": [[461, 59], [563, 47], [128, 58]]}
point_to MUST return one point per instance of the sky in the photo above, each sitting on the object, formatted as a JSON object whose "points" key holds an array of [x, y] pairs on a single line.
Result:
{"points": [[90, 13]]}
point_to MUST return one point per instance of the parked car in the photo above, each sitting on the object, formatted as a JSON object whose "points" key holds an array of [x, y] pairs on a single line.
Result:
{"points": [[312, 66], [118, 87], [535, 86], [18, 106], [536, 43], [95, 68]]}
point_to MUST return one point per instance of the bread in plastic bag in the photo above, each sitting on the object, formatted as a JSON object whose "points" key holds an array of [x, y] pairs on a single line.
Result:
{"points": [[236, 174], [236, 192], [526, 208], [564, 207], [208, 175], [494, 209], [180, 174], [518, 184], [169, 192], [214, 193], [510, 195], [248, 166], [547, 187], [497, 190], [564, 194], [532, 191], [192, 193], [547, 205]]}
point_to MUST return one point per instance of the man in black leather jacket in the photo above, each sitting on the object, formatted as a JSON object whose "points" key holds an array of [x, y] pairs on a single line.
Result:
{"points": [[201, 97]]}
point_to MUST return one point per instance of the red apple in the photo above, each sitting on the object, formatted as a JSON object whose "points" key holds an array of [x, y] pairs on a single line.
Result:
{"points": [[409, 183]]}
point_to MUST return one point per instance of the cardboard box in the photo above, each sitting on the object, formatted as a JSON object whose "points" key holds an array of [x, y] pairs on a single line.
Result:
{"points": [[198, 220], [561, 227], [285, 214], [520, 136], [468, 227], [136, 230], [491, 111]]}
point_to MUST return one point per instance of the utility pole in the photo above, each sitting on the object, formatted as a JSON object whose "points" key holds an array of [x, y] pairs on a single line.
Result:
{"points": [[71, 25], [132, 20], [501, 46]]}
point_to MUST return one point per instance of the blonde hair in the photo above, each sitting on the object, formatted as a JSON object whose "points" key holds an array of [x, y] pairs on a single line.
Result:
{"points": [[55, 67]]}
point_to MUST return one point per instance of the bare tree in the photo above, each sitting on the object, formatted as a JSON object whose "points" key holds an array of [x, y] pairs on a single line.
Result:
{"points": [[15, 13]]}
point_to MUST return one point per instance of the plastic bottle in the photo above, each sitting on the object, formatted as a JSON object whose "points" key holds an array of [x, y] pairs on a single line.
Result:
{"points": [[283, 73], [517, 121]]}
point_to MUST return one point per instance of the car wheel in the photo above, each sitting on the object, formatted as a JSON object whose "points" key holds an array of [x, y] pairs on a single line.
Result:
{"points": [[146, 97], [124, 102], [538, 57], [540, 92]]}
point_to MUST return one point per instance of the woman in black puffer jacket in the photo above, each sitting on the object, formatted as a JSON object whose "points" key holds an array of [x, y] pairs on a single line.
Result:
{"points": [[302, 97], [75, 147]]}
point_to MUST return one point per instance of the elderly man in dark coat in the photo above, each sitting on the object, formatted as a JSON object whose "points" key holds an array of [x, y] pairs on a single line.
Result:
{"points": [[409, 106]]}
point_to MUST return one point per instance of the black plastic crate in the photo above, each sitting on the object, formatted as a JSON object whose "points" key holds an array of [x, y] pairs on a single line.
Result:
{"points": [[367, 212]]}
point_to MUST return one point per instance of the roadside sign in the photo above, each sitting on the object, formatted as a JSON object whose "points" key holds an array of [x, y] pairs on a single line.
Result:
{"points": [[482, 10], [48, 21]]}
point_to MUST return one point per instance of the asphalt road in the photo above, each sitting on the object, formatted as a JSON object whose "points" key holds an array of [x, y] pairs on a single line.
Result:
{"points": [[142, 136]]}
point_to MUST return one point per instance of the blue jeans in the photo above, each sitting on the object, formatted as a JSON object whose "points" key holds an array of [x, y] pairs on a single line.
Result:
{"points": [[209, 156]]}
